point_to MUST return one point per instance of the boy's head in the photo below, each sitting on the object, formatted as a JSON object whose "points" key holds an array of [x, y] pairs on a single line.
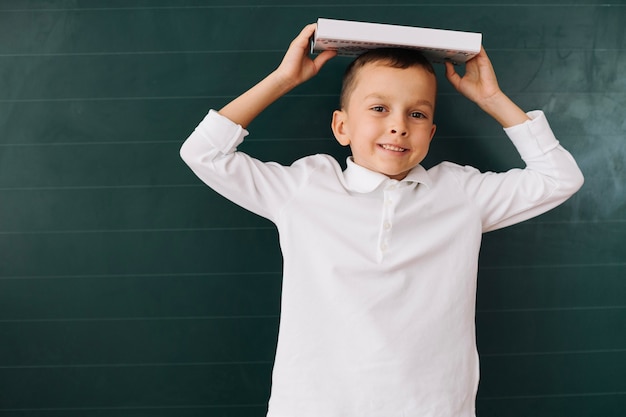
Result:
{"points": [[387, 109]]}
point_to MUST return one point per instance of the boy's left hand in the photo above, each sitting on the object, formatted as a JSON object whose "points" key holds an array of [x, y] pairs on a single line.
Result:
{"points": [[479, 82], [480, 85]]}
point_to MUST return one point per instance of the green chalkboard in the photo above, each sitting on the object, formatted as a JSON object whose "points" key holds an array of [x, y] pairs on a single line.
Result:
{"points": [[128, 288]]}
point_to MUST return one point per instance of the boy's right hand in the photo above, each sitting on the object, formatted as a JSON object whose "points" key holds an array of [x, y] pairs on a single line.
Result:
{"points": [[297, 65], [295, 68]]}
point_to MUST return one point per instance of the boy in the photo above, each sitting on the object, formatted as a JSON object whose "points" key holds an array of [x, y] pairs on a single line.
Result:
{"points": [[380, 260]]}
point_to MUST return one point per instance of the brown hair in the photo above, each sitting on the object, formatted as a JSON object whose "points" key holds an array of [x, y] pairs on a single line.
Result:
{"points": [[392, 57]]}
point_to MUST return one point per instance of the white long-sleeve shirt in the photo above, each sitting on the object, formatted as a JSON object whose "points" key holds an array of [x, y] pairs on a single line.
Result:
{"points": [[379, 280]]}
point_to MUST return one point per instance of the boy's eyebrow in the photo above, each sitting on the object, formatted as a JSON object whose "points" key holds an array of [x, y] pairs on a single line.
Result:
{"points": [[419, 102]]}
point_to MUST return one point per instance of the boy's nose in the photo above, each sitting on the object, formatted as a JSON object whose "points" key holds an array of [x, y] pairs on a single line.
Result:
{"points": [[398, 126], [401, 132]]}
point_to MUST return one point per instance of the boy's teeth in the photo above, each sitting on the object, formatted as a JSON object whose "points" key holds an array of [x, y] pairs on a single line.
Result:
{"points": [[393, 148]]}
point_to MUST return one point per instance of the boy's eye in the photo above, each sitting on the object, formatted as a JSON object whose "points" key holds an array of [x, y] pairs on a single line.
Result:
{"points": [[418, 115], [378, 108]]}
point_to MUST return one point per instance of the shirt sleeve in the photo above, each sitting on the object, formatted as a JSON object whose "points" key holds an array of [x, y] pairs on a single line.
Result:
{"points": [[551, 176], [260, 187]]}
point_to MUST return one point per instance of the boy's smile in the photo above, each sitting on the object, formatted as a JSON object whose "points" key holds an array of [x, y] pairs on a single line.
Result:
{"points": [[388, 120]]}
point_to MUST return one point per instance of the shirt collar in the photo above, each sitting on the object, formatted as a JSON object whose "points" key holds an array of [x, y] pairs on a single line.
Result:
{"points": [[362, 180]]}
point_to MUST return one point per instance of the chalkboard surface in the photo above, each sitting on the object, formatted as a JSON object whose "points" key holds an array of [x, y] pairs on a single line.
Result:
{"points": [[128, 288]]}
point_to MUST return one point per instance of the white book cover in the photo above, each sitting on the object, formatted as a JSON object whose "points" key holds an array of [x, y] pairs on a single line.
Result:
{"points": [[351, 38]]}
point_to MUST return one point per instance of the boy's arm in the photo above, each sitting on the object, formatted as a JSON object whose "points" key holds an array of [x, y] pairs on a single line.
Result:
{"points": [[295, 68], [480, 85], [211, 149], [551, 175]]}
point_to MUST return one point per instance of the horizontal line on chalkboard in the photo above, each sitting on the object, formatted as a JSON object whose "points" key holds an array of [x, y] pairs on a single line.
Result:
{"points": [[581, 394], [279, 273], [138, 365], [545, 266], [276, 317], [549, 309], [273, 316], [251, 141], [132, 408], [208, 97], [53, 100], [262, 51], [222, 51], [293, 140], [554, 353], [101, 187], [128, 319], [252, 363], [310, 5], [155, 230], [234, 406], [128, 142], [178, 275], [240, 228]]}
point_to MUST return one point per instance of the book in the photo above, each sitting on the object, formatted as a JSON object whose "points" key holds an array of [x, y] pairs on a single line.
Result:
{"points": [[351, 38]]}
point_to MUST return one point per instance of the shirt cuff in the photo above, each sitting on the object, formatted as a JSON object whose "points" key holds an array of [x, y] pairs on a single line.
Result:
{"points": [[534, 137], [221, 132]]}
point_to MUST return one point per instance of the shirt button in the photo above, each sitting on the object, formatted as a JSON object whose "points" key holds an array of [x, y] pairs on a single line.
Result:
{"points": [[387, 225], [383, 247]]}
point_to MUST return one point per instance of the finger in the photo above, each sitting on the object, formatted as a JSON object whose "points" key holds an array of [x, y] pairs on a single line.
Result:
{"points": [[323, 58], [451, 74], [300, 45], [477, 61], [305, 34], [449, 68]]}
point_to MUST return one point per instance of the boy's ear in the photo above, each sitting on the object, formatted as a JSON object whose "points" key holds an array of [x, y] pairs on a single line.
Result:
{"points": [[339, 127], [432, 131]]}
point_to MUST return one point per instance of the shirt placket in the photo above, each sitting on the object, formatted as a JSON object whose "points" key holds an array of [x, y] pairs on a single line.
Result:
{"points": [[390, 202]]}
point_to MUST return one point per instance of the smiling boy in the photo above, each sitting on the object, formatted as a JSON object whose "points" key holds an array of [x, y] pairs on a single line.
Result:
{"points": [[380, 259]]}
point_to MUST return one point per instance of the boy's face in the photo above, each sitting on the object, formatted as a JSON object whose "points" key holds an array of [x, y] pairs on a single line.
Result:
{"points": [[388, 120]]}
